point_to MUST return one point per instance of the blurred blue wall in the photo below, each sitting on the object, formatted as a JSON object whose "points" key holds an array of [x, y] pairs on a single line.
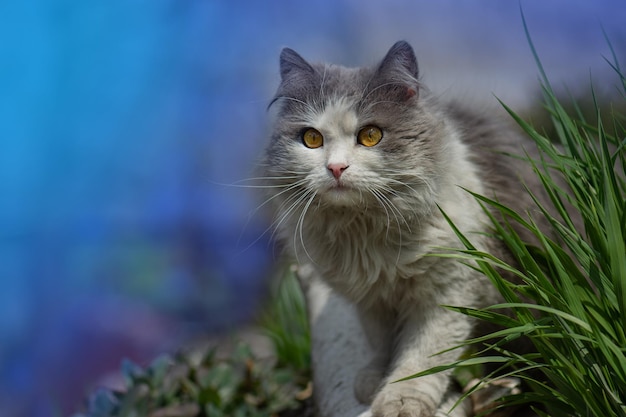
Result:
{"points": [[119, 120]]}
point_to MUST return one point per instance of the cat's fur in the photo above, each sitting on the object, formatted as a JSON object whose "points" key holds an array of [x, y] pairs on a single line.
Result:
{"points": [[369, 232]]}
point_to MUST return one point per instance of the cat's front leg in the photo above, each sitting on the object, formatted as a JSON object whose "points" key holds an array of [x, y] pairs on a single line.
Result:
{"points": [[423, 335], [377, 325]]}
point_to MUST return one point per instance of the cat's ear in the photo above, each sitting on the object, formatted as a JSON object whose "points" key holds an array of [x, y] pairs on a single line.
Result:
{"points": [[399, 67], [400, 58], [292, 63]]}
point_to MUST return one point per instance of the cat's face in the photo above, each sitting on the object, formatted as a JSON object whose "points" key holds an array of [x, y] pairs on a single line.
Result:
{"points": [[353, 137]]}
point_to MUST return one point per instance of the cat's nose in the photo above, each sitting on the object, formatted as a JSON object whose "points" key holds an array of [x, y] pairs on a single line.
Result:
{"points": [[337, 169]]}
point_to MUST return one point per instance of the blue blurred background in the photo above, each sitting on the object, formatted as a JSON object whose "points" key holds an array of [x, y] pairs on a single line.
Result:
{"points": [[119, 120]]}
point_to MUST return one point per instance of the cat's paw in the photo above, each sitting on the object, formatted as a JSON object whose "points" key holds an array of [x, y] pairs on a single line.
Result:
{"points": [[366, 384], [392, 402]]}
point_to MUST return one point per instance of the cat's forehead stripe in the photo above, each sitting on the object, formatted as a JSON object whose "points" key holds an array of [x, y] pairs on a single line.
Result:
{"points": [[338, 115]]}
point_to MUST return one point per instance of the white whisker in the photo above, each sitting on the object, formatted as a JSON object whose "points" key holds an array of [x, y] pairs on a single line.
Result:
{"points": [[323, 81], [380, 200], [276, 223], [308, 106], [288, 188], [294, 200], [363, 98], [389, 207], [300, 224]]}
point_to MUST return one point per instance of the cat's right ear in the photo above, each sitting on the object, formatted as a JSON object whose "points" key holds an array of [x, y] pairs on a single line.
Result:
{"points": [[399, 71], [400, 59], [292, 63]]}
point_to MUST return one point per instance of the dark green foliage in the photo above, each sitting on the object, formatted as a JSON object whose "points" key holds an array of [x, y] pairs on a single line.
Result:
{"points": [[184, 386], [205, 385]]}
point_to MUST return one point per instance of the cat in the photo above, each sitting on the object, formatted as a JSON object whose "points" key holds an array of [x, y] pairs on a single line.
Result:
{"points": [[362, 163]]}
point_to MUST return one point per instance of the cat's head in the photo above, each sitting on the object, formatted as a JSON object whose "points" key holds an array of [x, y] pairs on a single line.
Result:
{"points": [[354, 137]]}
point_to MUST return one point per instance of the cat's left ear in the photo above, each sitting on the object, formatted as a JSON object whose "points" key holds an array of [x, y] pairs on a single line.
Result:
{"points": [[400, 66]]}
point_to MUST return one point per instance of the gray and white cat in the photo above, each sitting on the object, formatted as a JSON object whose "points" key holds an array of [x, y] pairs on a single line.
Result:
{"points": [[361, 164]]}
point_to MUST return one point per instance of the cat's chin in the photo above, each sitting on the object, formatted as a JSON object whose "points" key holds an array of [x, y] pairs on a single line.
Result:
{"points": [[341, 196]]}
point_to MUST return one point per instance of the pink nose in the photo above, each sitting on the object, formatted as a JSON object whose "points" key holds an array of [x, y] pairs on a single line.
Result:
{"points": [[337, 169]]}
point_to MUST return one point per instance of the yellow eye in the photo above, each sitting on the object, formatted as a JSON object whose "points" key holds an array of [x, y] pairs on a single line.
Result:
{"points": [[312, 138], [369, 136]]}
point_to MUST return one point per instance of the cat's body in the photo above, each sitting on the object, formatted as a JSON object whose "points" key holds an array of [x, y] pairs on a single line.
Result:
{"points": [[363, 162]]}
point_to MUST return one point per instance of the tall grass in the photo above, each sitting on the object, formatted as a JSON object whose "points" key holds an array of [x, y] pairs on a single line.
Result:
{"points": [[286, 323], [572, 304]]}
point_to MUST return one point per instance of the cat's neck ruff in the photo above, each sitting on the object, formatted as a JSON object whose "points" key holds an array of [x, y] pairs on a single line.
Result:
{"points": [[351, 246]]}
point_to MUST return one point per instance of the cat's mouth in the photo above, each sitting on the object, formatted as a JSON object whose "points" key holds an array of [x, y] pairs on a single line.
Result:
{"points": [[340, 186], [341, 193]]}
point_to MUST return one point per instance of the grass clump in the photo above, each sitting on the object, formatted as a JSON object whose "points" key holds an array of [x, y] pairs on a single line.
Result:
{"points": [[286, 324], [572, 303]]}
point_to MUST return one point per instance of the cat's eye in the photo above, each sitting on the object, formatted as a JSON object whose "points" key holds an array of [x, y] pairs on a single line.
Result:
{"points": [[369, 136], [312, 138]]}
